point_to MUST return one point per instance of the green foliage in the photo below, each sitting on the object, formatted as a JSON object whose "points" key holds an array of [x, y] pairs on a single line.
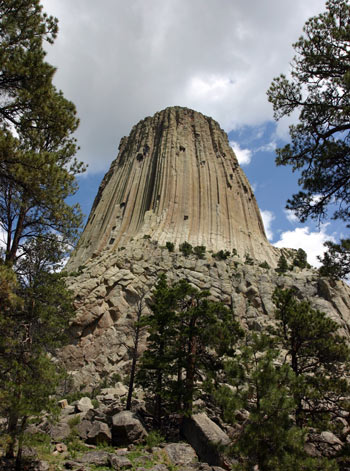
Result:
{"points": [[282, 265], [33, 319], [264, 265], [199, 251], [336, 262], [259, 382], [154, 438], [234, 252], [261, 387], [170, 246], [187, 334], [300, 260], [73, 422], [146, 236], [37, 171], [221, 255], [318, 88], [318, 356], [185, 248]]}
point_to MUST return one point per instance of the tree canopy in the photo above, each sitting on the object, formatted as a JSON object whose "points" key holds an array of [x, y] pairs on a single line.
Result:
{"points": [[37, 147], [319, 88]]}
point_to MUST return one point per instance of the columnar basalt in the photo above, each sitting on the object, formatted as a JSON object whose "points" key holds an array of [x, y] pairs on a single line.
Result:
{"points": [[175, 179]]}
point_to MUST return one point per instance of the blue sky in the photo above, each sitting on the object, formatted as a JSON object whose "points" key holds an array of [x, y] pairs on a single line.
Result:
{"points": [[120, 61]]}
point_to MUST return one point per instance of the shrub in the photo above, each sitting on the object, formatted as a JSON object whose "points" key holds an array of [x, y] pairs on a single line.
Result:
{"points": [[170, 246], [199, 250], [264, 265], [154, 438], [185, 248], [221, 255]]}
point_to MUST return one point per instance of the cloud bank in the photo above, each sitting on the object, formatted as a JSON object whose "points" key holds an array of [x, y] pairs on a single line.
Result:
{"points": [[311, 242], [120, 61]]}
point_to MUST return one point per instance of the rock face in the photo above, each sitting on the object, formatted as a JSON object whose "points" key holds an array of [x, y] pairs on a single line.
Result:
{"points": [[175, 179]]}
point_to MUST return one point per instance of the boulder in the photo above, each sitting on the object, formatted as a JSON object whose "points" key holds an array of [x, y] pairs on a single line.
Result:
{"points": [[97, 458], [205, 437], [60, 431], [94, 432], [180, 454], [84, 404], [127, 428], [118, 462]]}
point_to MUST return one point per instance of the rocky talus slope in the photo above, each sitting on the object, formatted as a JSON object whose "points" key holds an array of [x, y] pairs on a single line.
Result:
{"points": [[110, 285]]}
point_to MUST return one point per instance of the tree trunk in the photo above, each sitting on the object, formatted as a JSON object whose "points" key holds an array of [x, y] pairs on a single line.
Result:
{"points": [[20, 444], [133, 369], [190, 375], [11, 255], [12, 432]]}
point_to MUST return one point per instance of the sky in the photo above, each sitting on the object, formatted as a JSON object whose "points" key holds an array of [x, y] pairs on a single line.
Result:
{"points": [[120, 61]]}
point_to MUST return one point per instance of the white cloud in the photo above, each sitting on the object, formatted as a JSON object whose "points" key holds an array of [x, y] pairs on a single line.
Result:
{"points": [[243, 155], [269, 147], [291, 216], [311, 242], [268, 217], [120, 61]]}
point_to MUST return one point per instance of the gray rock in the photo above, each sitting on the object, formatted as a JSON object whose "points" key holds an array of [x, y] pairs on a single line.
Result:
{"points": [[60, 431], [119, 462], [204, 436], [98, 458], [42, 466], [84, 404], [180, 453], [127, 428], [94, 432]]}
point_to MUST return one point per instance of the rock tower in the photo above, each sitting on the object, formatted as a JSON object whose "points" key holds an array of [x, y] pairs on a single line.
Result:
{"points": [[175, 179]]}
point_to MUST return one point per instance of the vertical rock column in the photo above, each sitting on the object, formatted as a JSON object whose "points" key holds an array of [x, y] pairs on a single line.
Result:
{"points": [[175, 179]]}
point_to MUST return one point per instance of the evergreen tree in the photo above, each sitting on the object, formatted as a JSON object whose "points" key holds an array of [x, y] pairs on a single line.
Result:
{"points": [[317, 355], [32, 326], [257, 381], [37, 167], [156, 365], [189, 335], [37, 174], [300, 260], [282, 265], [336, 262], [319, 89]]}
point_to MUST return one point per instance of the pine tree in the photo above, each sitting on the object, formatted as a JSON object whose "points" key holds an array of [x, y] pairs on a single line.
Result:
{"points": [[282, 265], [318, 356], [189, 336], [319, 90], [257, 381], [37, 165], [32, 325], [156, 365], [300, 259]]}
